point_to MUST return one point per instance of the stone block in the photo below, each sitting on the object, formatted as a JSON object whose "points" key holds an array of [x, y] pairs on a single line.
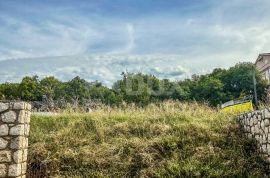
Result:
{"points": [[18, 156], [25, 154], [5, 156], [28, 106], [15, 170], [4, 107], [4, 130], [26, 129], [19, 105], [266, 122], [266, 113], [9, 117], [268, 148], [3, 170], [24, 168], [17, 143], [264, 148], [25, 143], [21, 116], [262, 125], [27, 117], [17, 130], [256, 129], [264, 139], [3, 143]]}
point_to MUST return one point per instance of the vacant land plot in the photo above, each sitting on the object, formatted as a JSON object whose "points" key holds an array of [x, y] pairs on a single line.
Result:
{"points": [[170, 139]]}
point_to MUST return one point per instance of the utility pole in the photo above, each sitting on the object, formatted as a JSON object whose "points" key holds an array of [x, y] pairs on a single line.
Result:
{"points": [[255, 88]]}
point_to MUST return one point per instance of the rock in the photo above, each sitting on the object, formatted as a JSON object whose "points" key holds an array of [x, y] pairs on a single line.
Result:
{"points": [[3, 170], [266, 113], [25, 154], [266, 122], [9, 117], [3, 107], [19, 106], [18, 156], [5, 156], [26, 129], [15, 170], [17, 143], [4, 130], [17, 130], [24, 168], [3, 143]]}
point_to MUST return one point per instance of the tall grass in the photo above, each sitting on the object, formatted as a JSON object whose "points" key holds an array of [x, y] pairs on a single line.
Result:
{"points": [[169, 139]]}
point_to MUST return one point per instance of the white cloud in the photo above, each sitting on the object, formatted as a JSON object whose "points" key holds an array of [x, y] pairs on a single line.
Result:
{"points": [[169, 44]]}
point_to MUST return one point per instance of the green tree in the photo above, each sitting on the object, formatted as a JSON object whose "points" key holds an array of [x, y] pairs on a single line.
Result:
{"points": [[51, 87], [29, 89], [77, 90]]}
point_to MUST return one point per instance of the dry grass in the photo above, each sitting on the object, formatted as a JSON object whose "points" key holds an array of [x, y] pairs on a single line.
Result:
{"points": [[170, 139]]}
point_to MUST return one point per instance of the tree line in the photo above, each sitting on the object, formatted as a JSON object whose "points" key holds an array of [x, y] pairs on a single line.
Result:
{"points": [[219, 86]]}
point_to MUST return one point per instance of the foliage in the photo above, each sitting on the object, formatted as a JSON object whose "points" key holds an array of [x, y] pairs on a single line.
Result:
{"points": [[215, 88]]}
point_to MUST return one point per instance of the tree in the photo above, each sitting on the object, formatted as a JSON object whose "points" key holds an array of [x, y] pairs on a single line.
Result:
{"points": [[238, 80], [77, 90], [29, 89], [51, 87]]}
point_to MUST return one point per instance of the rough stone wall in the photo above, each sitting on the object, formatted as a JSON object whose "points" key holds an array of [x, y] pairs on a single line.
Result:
{"points": [[14, 131], [256, 125]]}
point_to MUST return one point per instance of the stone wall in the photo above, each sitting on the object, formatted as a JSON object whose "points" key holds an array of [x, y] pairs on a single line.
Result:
{"points": [[14, 131], [256, 125]]}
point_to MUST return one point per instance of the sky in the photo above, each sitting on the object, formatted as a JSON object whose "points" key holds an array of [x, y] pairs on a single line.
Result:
{"points": [[99, 39]]}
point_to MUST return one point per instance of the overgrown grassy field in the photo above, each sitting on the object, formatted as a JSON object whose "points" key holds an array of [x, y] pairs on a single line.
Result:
{"points": [[170, 139]]}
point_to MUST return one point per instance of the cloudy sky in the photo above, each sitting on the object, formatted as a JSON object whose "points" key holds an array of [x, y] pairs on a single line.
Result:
{"points": [[98, 39]]}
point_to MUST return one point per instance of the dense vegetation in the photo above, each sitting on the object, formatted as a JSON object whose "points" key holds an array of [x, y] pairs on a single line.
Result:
{"points": [[169, 139], [215, 88]]}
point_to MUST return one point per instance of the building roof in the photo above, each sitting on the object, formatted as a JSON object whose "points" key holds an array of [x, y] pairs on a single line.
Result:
{"points": [[261, 55]]}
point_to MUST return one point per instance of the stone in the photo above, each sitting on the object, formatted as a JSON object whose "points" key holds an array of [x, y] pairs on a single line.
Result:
{"points": [[259, 117], [3, 170], [262, 124], [264, 148], [268, 148], [256, 129], [253, 129], [257, 137], [19, 105], [4, 130], [25, 143], [25, 154], [3, 107], [17, 143], [24, 168], [28, 106], [18, 156], [3, 143], [15, 170], [5, 156], [27, 117], [17, 130], [9, 117], [26, 129], [249, 136], [21, 116], [266, 122], [264, 139], [266, 113]]}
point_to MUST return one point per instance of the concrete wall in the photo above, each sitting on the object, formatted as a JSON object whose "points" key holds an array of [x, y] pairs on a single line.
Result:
{"points": [[257, 125], [14, 131]]}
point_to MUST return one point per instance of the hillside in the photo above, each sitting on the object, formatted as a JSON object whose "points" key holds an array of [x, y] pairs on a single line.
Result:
{"points": [[170, 139]]}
